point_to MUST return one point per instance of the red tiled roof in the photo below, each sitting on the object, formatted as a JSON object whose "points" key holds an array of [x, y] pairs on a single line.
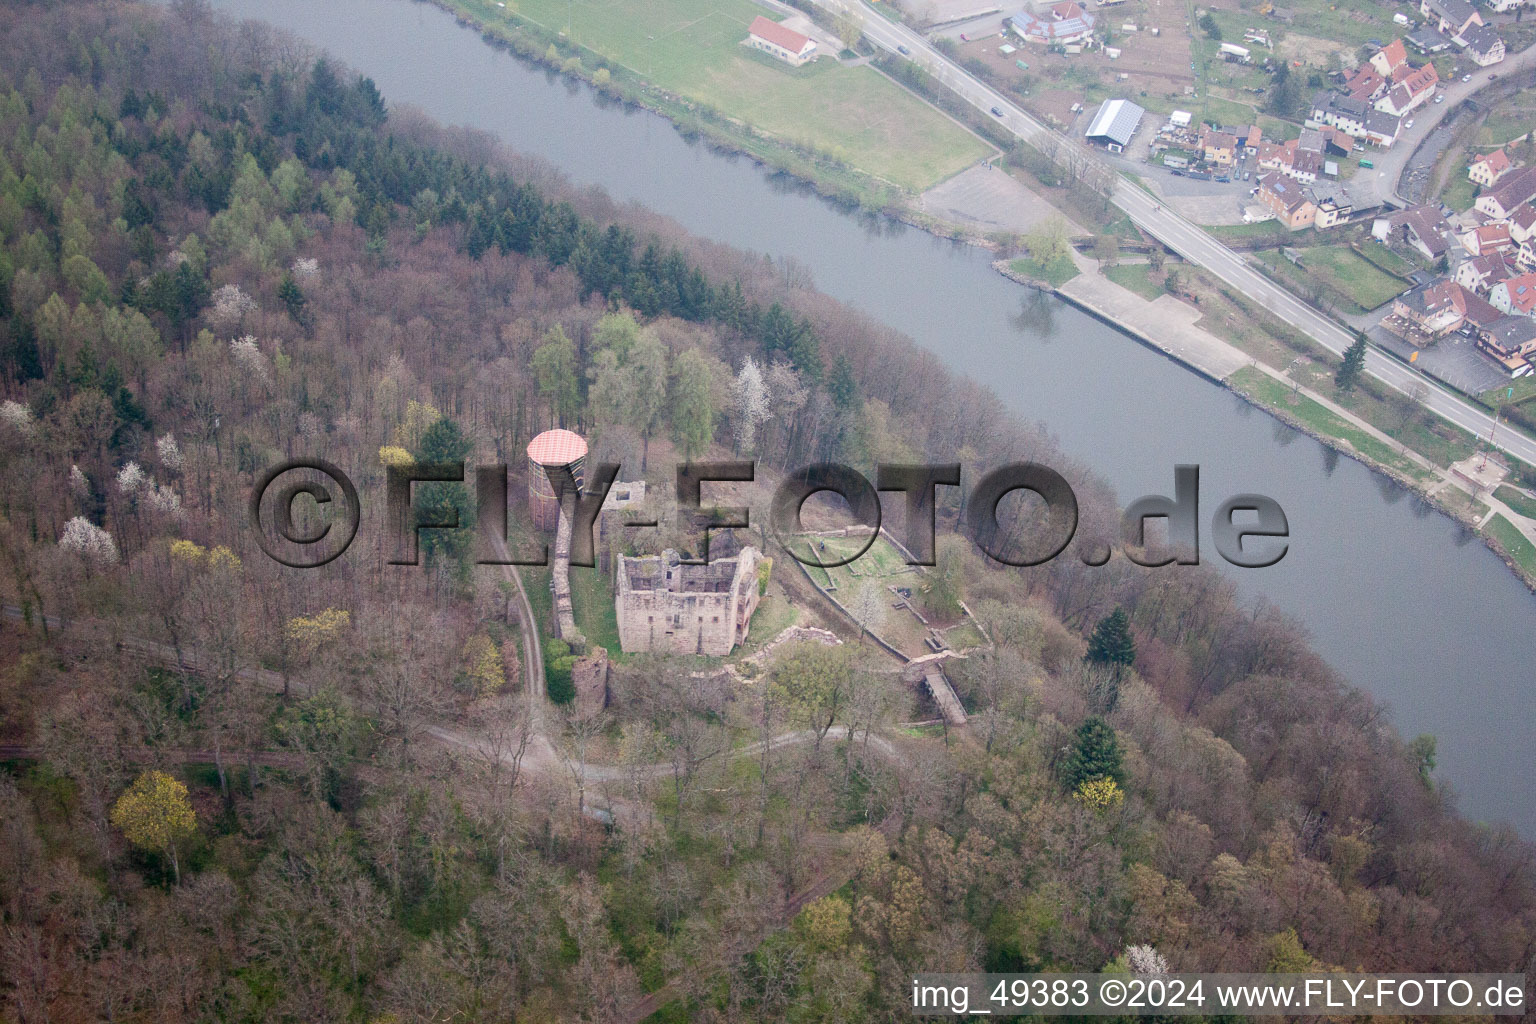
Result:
{"points": [[1522, 292], [1497, 161], [1395, 53], [559, 447], [778, 35]]}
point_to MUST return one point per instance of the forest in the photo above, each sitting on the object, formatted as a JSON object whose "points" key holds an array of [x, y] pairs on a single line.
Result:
{"points": [[236, 791]]}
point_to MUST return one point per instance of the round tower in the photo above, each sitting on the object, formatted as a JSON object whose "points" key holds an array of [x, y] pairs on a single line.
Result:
{"points": [[552, 450]]}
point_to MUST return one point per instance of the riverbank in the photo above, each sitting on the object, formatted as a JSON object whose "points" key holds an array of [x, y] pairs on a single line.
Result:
{"points": [[1173, 327], [844, 127]]}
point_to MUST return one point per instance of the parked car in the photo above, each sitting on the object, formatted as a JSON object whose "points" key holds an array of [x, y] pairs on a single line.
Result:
{"points": [[1408, 123], [1466, 78], [1247, 175], [1440, 98], [902, 49], [996, 112]]}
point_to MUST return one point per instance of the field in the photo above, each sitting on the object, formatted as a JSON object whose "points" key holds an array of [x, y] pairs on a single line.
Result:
{"points": [[1337, 271], [693, 48]]}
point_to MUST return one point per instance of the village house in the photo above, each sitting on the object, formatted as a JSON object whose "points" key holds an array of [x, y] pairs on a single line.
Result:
{"points": [[1422, 227], [1483, 272], [1426, 40], [1365, 83], [1515, 296], [1511, 342], [1337, 205], [1436, 309], [1410, 93], [1285, 198], [1484, 45], [1063, 24], [1382, 129], [1217, 147], [1504, 6], [666, 604], [1451, 17], [1389, 58], [1503, 199], [1338, 142], [1522, 224], [1489, 168], [780, 41], [1343, 112], [1486, 239]]}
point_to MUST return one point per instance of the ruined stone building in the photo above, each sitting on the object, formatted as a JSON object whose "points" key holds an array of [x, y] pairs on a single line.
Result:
{"points": [[664, 604]]}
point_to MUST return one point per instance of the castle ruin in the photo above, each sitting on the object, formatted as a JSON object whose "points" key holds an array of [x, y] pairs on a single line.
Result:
{"points": [[665, 604]]}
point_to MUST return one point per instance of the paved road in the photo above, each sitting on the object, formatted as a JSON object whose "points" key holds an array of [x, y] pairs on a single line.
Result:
{"points": [[1189, 240], [1389, 166]]}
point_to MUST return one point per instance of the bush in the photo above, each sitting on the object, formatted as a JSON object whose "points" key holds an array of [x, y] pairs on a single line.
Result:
{"points": [[557, 678]]}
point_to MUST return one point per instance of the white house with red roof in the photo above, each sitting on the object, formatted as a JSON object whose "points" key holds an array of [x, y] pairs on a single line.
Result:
{"points": [[1482, 273], [1522, 224], [780, 41], [1411, 92], [1489, 168], [1487, 239], [1389, 58], [1516, 296]]}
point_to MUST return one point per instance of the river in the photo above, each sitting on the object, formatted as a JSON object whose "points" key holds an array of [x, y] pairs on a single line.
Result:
{"points": [[1399, 598]]}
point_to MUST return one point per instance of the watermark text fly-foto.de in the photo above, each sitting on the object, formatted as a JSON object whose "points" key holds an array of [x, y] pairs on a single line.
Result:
{"points": [[1248, 530]]}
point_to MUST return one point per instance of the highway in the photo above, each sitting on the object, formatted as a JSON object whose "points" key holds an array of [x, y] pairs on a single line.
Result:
{"points": [[1187, 239]]}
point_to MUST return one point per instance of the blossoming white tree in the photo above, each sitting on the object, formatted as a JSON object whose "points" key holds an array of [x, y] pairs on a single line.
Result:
{"points": [[17, 416], [1145, 960], [749, 396], [89, 541], [131, 479], [230, 306], [250, 357], [169, 452]]}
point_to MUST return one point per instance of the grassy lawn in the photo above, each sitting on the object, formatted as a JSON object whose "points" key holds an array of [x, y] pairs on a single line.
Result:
{"points": [[1509, 120], [1137, 277], [880, 567], [1460, 192], [592, 603], [1346, 270], [1338, 273], [1270, 230], [1383, 257], [693, 48], [775, 613], [1056, 273], [1513, 542], [1275, 395], [1524, 390], [1517, 500]]}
